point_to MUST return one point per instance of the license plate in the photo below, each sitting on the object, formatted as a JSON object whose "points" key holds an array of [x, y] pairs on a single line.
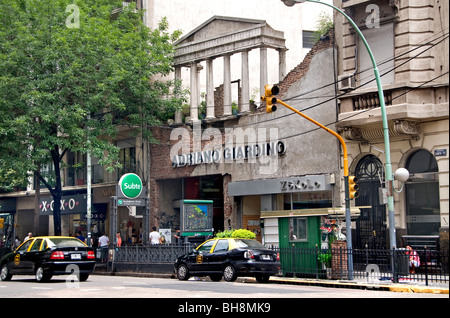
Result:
{"points": [[75, 256], [266, 257]]}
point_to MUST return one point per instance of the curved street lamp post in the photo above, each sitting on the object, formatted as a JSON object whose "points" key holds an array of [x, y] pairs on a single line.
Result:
{"points": [[389, 175]]}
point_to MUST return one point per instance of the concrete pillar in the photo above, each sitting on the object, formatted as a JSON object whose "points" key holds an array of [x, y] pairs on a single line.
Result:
{"points": [[281, 64], [226, 85], [194, 92], [263, 74], [245, 94], [178, 114], [209, 89]]}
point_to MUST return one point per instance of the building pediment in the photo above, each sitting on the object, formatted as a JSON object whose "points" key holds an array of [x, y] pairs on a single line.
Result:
{"points": [[218, 26], [226, 35]]}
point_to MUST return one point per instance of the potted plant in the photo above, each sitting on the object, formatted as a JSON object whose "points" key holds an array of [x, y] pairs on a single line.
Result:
{"points": [[325, 258]]}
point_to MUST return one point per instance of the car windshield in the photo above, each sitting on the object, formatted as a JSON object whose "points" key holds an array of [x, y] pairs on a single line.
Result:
{"points": [[65, 242], [248, 243]]}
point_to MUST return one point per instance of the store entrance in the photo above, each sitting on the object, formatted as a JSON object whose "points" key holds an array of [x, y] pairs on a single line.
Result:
{"points": [[207, 188]]}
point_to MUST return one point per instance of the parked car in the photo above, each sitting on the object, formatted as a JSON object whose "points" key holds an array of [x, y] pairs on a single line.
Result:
{"points": [[45, 256], [230, 258]]}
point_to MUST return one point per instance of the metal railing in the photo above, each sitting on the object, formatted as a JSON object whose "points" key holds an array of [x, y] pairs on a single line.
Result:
{"points": [[369, 265], [144, 254]]}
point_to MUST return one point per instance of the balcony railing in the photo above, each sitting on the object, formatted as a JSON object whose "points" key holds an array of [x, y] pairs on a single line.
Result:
{"points": [[368, 101]]}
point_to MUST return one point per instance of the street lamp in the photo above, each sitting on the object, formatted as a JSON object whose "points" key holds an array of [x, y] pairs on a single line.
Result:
{"points": [[389, 175]]}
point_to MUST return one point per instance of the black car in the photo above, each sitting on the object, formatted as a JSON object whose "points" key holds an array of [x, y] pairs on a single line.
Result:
{"points": [[230, 258], [46, 256]]}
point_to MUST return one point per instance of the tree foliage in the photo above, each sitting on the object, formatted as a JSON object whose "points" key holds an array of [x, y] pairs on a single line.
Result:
{"points": [[70, 75], [240, 233]]}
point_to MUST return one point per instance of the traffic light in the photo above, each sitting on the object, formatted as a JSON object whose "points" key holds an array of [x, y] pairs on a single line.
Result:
{"points": [[353, 187], [269, 91]]}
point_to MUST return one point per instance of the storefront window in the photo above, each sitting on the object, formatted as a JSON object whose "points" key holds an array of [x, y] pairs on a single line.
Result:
{"points": [[6, 230], [298, 229], [308, 200]]}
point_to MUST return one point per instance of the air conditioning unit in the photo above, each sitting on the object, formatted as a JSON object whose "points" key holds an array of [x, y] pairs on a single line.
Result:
{"points": [[346, 82]]}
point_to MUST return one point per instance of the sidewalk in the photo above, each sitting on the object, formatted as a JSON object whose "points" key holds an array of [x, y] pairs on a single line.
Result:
{"points": [[382, 285]]}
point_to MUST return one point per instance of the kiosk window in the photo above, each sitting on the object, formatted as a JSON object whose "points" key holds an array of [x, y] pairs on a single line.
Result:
{"points": [[298, 229]]}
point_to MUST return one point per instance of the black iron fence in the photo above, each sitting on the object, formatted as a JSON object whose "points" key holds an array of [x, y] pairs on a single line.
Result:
{"points": [[139, 257], [162, 253], [368, 264]]}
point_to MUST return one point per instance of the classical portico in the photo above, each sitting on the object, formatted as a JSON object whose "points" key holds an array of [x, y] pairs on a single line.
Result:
{"points": [[223, 37]]}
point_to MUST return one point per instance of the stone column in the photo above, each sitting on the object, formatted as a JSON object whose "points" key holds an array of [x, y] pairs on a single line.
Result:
{"points": [[194, 92], [209, 89], [281, 64], [245, 95], [263, 74], [178, 113], [226, 85]]}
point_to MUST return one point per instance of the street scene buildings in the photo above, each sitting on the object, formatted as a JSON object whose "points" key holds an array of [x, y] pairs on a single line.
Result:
{"points": [[276, 174]]}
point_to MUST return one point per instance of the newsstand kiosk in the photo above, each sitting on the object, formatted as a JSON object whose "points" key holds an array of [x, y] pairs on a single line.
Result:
{"points": [[196, 218]]}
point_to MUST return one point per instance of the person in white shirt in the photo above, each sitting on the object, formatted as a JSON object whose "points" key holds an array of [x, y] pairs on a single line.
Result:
{"points": [[30, 235], [103, 243], [155, 237]]}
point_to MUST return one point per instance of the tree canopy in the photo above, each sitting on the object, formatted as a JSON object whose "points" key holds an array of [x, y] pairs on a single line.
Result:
{"points": [[70, 75]]}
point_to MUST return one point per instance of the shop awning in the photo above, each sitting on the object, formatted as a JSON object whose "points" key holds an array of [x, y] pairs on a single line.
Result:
{"points": [[336, 213]]}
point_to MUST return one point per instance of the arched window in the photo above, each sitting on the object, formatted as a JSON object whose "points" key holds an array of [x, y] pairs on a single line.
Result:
{"points": [[422, 195]]}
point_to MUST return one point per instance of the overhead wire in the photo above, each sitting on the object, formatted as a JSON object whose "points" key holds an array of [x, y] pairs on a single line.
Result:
{"points": [[428, 46]]}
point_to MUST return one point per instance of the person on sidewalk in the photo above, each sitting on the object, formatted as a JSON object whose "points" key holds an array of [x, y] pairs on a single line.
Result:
{"points": [[103, 243], [118, 240], [155, 237], [414, 259]]}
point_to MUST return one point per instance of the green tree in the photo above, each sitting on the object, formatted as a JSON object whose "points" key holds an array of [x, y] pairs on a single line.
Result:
{"points": [[323, 25], [71, 73]]}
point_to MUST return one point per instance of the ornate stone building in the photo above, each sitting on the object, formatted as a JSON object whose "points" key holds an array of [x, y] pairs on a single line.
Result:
{"points": [[409, 40]]}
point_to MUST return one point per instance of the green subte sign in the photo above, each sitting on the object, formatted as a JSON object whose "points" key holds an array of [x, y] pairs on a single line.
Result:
{"points": [[131, 185]]}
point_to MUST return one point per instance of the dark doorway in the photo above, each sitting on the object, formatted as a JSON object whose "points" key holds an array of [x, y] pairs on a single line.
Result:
{"points": [[208, 188], [371, 224]]}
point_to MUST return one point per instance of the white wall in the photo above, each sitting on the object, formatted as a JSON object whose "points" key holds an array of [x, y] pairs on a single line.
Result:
{"points": [[188, 14]]}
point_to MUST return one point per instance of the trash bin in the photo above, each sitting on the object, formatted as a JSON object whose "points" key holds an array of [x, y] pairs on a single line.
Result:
{"points": [[401, 262]]}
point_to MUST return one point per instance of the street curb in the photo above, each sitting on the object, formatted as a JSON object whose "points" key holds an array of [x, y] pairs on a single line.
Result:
{"points": [[399, 288]]}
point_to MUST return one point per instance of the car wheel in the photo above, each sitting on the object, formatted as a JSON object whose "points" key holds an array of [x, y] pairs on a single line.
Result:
{"points": [[182, 272], [84, 277], [229, 273], [4, 274], [263, 279], [41, 276], [215, 277]]}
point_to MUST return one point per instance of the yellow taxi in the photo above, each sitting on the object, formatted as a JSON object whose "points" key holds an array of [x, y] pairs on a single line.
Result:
{"points": [[229, 258], [45, 256]]}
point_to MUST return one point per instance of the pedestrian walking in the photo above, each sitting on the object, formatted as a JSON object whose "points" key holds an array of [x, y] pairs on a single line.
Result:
{"points": [[103, 243], [118, 240], [155, 237]]}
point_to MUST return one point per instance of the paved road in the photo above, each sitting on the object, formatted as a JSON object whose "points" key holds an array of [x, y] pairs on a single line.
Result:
{"points": [[99, 286]]}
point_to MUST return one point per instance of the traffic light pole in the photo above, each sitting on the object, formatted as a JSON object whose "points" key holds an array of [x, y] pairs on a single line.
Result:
{"points": [[348, 221]]}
